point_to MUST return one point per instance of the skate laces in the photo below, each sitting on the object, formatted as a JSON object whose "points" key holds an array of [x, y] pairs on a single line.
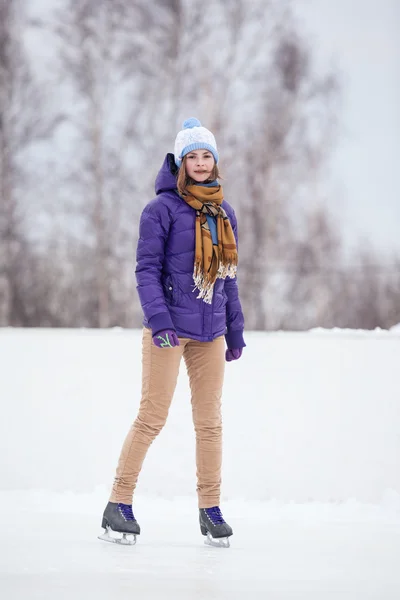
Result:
{"points": [[215, 515], [126, 511]]}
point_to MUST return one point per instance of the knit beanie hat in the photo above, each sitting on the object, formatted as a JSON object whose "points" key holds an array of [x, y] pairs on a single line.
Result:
{"points": [[193, 137]]}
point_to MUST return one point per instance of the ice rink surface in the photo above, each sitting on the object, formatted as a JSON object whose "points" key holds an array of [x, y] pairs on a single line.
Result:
{"points": [[278, 552]]}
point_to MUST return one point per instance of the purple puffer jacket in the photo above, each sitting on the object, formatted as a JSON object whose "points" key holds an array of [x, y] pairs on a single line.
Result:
{"points": [[164, 270]]}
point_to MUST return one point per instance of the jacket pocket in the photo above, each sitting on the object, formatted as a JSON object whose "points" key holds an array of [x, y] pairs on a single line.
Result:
{"points": [[171, 290]]}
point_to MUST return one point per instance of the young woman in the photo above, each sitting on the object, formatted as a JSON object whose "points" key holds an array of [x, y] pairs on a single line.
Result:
{"points": [[186, 280]]}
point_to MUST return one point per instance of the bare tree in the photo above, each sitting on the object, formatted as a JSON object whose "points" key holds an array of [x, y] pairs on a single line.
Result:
{"points": [[116, 87], [23, 122], [128, 74], [370, 291]]}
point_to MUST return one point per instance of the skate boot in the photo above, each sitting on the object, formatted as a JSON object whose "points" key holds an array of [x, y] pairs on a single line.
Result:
{"points": [[119, 524], [213, 526]]}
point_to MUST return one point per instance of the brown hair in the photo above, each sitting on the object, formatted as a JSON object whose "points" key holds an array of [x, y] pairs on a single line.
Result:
{"points": [[183, 180]]}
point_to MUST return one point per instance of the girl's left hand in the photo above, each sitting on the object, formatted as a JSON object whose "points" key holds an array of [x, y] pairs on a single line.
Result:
{"points": [[233, 354]]}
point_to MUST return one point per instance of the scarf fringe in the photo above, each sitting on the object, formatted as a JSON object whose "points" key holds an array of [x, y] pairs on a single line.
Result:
{"points": [[205, 286]]}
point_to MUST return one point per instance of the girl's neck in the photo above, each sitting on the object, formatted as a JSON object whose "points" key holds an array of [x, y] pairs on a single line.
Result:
{"points": [[207, 183]]}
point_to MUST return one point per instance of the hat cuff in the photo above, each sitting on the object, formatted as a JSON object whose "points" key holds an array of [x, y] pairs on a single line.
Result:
{"points": [[196, 146]]}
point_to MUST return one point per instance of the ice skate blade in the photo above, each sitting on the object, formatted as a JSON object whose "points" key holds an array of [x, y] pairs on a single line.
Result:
{"points": [[217, 542], [123, 539]]}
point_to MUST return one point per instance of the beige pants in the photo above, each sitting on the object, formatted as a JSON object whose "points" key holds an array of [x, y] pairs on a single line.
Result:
{"points": [[205, 363]]}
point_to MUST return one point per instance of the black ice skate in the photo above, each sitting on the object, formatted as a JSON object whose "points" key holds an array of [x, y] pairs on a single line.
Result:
{"points": [[119, 520], [212, 525]]}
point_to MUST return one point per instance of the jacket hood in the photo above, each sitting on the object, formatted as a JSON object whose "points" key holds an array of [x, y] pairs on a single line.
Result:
{"points": [[166, 178]]}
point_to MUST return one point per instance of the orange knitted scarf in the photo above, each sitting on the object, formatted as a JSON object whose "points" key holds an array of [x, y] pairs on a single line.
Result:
{"points": [[211, 261]]}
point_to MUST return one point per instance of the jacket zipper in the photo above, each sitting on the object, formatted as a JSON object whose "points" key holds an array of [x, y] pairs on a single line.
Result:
{"points": [[204, 312], [212, 316]]}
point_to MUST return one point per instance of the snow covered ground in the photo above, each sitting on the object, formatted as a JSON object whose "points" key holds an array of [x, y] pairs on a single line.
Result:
{"points": [[311, 471]]}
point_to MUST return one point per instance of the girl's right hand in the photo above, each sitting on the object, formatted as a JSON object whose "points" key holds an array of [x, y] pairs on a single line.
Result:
{"points": [[166, 338]]}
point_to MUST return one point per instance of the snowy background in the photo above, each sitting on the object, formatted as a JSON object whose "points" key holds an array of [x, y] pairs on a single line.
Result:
{"points": [[304, 94], [311, 481]]}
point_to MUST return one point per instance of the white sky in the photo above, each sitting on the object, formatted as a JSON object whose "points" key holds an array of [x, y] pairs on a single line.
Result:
{"points": [[361, 38]]}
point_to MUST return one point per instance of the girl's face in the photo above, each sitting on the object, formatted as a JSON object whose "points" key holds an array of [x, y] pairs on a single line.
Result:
{"points": [[199, 165]]}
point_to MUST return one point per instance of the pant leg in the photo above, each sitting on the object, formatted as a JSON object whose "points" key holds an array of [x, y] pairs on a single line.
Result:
{"points": [[205, 363], [160, 368]]}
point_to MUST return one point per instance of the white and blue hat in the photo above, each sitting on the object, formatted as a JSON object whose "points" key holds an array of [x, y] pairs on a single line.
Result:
{"points": [[193, 137]]}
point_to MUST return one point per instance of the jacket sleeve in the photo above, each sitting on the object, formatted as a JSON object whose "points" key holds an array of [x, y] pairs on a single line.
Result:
{"points": [[234, 313], [153, 233]]}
